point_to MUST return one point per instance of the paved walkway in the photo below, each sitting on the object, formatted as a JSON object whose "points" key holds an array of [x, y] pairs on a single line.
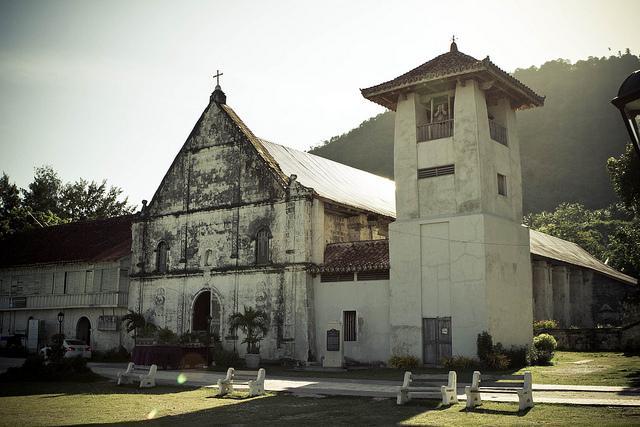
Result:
{"points": [[543, 393]]}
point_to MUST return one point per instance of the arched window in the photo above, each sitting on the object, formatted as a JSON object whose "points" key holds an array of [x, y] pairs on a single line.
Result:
{"points": [[207, 257], [263, 243], [161, 257]]}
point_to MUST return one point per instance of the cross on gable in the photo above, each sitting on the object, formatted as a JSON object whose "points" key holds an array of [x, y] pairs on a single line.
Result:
{"points": [[217, 76]]}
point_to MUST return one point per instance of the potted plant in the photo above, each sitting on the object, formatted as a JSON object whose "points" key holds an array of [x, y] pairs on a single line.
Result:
{"points": [[255, 325]]}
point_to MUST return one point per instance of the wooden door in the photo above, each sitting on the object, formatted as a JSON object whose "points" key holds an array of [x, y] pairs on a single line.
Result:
{"points": [[436, 339]]}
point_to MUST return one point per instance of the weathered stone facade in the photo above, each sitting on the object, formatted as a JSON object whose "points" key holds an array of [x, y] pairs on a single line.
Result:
{"points": [[222, 189]]}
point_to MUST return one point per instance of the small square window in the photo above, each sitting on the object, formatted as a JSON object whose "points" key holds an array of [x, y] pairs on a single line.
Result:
{"points": [[502, 185]]}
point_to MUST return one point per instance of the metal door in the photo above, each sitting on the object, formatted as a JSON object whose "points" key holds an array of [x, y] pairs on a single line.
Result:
{"points": [[437, 339]]}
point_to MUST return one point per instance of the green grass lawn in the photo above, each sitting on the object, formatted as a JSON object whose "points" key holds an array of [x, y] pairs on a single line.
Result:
{"points": [[105, 403], [577, 368]]}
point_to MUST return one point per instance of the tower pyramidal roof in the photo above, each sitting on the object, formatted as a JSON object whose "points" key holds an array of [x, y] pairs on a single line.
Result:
{"points": [[441, 73]]}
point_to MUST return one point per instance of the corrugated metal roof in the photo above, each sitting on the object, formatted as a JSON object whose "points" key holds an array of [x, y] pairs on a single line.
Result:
{"points": [[335, 181], [561, 250]]}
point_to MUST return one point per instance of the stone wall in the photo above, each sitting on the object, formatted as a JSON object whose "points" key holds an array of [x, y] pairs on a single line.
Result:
{"points": [[598, 339], [575, 296]]}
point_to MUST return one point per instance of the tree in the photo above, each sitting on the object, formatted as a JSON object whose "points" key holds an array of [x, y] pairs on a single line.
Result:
{"points": [[12, 214], [254, 324], [575, 223], [624, 172], [84, 200], [43, 194], [47, 201]]}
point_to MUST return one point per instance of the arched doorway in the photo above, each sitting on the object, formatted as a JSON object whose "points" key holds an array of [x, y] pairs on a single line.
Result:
{"points": [[206, 306], [201, 312], [83, 330]]}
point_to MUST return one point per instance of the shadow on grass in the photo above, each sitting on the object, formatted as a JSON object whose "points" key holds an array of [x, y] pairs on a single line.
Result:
{"points": [[60, 389], [287, 409], [481, 410], [634, 378]]}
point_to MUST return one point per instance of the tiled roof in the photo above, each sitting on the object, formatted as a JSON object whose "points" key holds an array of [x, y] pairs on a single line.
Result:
{"points": [[88, 241], [447, 65], [374, 255], [365, 255]]}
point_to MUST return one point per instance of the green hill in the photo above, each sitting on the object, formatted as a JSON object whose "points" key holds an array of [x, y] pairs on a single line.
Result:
{"points": [[564, 145]]}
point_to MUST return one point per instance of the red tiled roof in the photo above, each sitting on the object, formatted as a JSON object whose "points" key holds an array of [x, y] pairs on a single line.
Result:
{"points": [[366, 255], [87, 241], [450, 64]]}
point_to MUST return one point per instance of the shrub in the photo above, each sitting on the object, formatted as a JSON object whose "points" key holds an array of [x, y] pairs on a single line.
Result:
{"points": [[461, 363], [227, 359], [149, 330], [119, 354], [544, 347], [542, 325], [404, 362], [498, 361], [495, 356], [519, 357], [484, 345], [36, 369], [167, 336]]}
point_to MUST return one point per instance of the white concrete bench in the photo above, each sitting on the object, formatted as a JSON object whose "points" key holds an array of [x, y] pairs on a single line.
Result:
{"points": [[253, 379], [501, 384], [131, 376], [430, 386]]}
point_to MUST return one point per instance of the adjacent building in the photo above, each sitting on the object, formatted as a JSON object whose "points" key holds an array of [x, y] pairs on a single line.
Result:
{"points": [[79, 269]]}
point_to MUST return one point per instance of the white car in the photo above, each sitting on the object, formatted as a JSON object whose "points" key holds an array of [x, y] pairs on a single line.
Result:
{"points": [[72, 348]]}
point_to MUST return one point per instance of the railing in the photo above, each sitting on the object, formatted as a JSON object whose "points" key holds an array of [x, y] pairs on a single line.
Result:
{"points": [[498, 132], [435, 130], [102, 299]]}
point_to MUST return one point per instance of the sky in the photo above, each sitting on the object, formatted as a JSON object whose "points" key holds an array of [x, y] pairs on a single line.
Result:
{"points": [[111, 89]]}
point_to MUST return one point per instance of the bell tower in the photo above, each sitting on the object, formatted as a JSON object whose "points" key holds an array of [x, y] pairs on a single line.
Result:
{"points": [[460, 260]]}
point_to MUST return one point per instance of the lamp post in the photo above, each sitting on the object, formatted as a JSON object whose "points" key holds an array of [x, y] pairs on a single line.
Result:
{"points": [[60, 320], [628, 102]]}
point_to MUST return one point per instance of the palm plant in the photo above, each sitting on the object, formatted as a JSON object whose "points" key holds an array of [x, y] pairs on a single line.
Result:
{"points": [[254, 324], [133, 321]]}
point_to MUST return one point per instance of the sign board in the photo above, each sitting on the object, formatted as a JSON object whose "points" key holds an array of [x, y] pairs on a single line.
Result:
{"points": [[333, 340]]}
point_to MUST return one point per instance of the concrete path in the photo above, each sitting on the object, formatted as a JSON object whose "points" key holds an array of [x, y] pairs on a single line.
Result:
{"points": [[543, 393]]}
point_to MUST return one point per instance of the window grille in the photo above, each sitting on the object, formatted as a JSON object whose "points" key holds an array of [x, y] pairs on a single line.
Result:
{"points": [[436, 171], [502, 185], [349, 326], [108, 323], [263, 237], [161, 257]]}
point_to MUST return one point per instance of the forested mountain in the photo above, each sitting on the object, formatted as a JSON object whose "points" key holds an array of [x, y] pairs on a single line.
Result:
{"points": [[564, 145]]}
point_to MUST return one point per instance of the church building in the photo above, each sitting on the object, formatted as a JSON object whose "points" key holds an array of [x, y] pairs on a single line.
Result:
{"points": [[416, 268], [419, 266]]}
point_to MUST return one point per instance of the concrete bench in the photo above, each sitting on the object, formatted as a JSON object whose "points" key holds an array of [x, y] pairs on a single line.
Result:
{"points": [[502, 384], [253, 379], [430, 386], [131, 376]]}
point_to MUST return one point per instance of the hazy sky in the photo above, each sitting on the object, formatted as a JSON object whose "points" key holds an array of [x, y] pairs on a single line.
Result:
{"points": [[111, 89]]}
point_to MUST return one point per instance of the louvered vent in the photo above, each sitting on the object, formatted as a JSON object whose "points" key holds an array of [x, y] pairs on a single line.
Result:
{"points": [[373, 275], [336, 277], [436, 171]]}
